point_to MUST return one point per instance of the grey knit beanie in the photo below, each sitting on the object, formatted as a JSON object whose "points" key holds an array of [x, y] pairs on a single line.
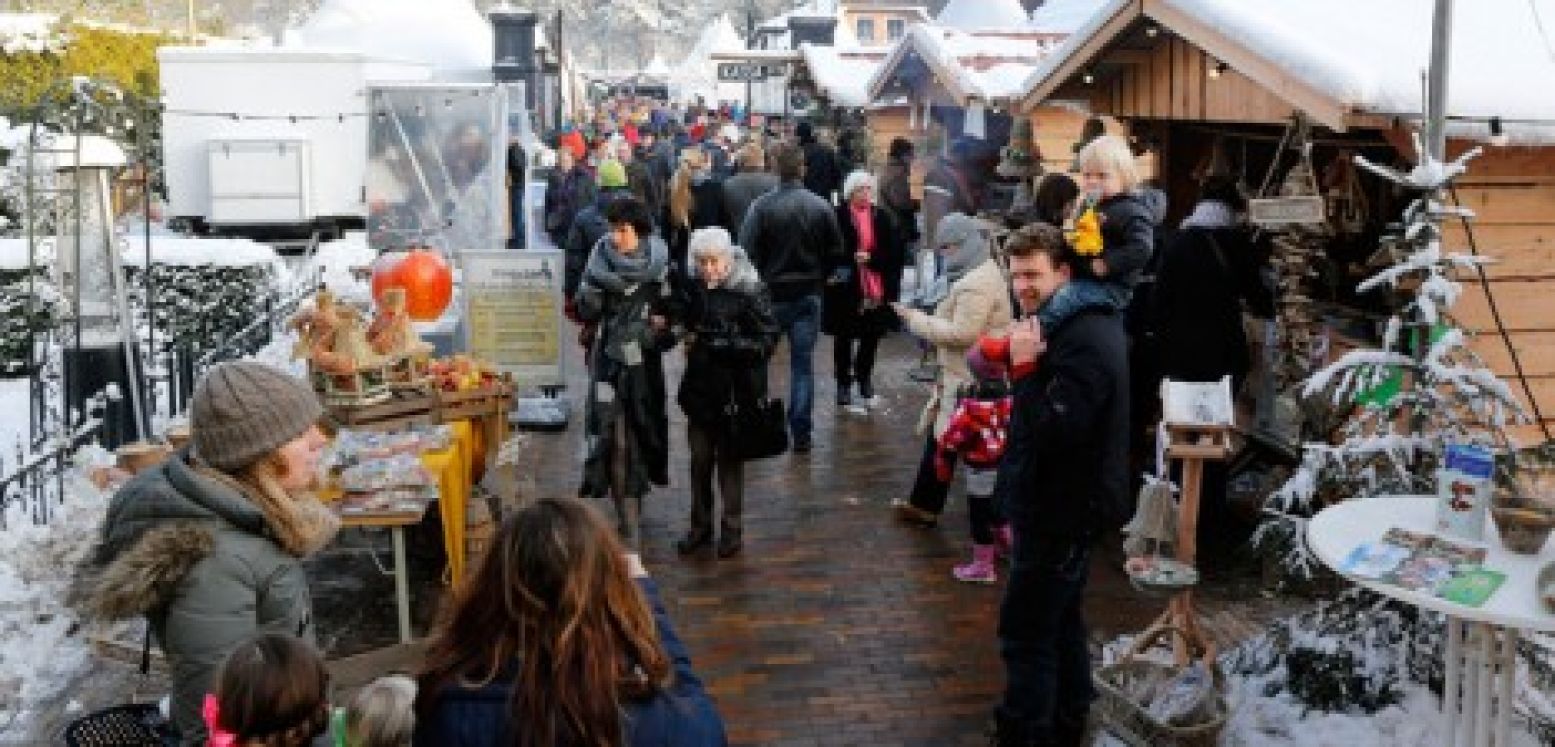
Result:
{"points": [[243, 410]]}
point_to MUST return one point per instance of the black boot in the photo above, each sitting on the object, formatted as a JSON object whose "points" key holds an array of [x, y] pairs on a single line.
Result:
{"points": [[693, 541], [1009, 732]]}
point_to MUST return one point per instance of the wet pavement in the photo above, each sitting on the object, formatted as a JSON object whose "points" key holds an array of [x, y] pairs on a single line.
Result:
{"points": [[834, 626]]}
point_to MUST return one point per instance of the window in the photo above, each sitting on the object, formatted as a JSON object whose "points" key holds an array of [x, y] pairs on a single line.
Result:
{"points": [[866, 29], [895, 29]]}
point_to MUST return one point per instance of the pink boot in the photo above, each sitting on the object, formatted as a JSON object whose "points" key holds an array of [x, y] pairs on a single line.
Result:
{"points": [[1004, 541], [981, 569]]}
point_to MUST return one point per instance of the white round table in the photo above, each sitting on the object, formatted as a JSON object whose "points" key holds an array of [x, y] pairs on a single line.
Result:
{"points": [[1481, 641]]}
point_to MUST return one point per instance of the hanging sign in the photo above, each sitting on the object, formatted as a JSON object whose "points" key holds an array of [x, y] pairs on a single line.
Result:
{"points": [[754, 71], [1286, 211], [514, 312]]}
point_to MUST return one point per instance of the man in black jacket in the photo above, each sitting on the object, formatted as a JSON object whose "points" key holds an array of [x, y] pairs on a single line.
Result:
{"points": [[791, 237], [1064, 480], [742, 189]]}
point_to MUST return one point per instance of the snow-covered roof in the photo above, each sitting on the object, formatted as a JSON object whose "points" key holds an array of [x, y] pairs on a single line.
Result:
{"points": [[1369, 64], [989, 64], [842, 74], [450, 35], [1064, 16], [982, 14]]}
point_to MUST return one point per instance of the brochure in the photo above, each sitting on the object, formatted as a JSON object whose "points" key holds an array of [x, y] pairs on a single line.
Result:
{"points": [[1426, 563]]}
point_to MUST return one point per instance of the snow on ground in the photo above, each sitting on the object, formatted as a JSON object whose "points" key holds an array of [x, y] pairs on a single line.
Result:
{"points": [[13, 423], [41, 647]]}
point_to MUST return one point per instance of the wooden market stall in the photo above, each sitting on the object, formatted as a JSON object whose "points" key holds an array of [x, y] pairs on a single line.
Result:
{"points": [[938, 76], [1203, 80]]}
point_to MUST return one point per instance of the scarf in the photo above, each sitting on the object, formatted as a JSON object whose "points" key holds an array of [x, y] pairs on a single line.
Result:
{"points": [[615, 272], [870, 283], [1210, 214]]}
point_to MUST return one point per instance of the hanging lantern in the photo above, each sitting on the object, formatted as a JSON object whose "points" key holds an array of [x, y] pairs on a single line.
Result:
{"points": [[425, 275]]}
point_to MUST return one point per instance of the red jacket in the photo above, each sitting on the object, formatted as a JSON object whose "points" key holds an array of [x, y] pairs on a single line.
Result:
{"points": [[977, 431]]}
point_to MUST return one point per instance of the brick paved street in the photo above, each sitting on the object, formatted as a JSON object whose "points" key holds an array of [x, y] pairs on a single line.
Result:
{"points": [[836, 626]]}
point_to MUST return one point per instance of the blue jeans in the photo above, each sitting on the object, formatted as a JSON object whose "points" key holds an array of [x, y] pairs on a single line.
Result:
{"points": [[1042, 635], [1077, 294], [800, 320]]}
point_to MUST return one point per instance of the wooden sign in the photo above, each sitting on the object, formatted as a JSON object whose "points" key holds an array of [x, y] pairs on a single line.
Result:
{"points": [[755, 71], [1286, 211]]}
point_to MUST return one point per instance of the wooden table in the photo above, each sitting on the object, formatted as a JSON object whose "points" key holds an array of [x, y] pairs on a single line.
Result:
{"points": [[395, 522]]}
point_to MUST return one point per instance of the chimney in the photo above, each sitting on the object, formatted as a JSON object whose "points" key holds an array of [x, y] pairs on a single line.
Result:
{"points": [[515, 59]]}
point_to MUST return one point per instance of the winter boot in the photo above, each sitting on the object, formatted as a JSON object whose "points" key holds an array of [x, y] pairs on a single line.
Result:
{"points": [[981, 569], [1004, 541]]}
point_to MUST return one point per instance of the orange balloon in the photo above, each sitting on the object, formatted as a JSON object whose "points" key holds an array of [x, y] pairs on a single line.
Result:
{"points": [[426, 276]]}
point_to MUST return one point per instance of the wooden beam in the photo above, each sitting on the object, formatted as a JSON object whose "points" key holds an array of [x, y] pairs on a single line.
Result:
{"points": [[1126, 57], [1322, 108], [1085, 54]]}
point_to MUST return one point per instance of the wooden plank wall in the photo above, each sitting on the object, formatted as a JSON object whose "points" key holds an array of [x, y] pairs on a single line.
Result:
{"points": [[1173, 82], [1512, 191], [1056, 130]]}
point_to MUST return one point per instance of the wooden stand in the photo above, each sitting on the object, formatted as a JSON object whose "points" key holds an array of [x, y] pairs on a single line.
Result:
{"points": [[1191, 445]]}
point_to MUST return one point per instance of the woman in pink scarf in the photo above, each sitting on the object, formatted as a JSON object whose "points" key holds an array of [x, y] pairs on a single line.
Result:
{"points": [[856, 303]]}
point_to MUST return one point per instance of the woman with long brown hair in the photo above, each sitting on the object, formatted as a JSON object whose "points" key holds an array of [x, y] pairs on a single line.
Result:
{"points": [[560, 639], [696, 201]]}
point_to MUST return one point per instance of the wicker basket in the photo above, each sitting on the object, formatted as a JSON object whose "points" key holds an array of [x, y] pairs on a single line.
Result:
{"points": [[1130, 721]]}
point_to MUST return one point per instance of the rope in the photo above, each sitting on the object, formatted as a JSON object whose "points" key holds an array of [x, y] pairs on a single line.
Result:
{"points": [[1495, 313]]}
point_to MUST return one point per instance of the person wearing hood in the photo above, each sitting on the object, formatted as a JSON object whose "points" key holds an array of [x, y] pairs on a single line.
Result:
{"points": [[696, 201], [822, 169], [208, 546], [626, 292], [977, 302], [730, 334], [590, 225]]}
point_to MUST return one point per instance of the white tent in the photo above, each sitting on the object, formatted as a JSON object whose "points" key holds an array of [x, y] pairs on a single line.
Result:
{"points": [[698, 74], [982, 14], [450, 36]]}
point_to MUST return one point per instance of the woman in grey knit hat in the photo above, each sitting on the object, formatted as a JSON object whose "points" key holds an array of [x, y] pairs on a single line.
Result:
{"points": [[208, 545]]}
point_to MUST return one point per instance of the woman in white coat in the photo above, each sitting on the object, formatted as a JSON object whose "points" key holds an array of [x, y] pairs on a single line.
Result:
{"points": [[977, 303]]}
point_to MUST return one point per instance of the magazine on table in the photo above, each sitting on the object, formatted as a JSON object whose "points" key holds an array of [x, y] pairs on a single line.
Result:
{"points": [[1426, 563]]}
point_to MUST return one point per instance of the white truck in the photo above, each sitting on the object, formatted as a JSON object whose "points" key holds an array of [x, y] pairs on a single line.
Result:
{"points": [[269, 142]]}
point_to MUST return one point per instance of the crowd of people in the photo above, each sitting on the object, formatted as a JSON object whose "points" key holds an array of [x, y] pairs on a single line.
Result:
{"points": [[688, 232]]}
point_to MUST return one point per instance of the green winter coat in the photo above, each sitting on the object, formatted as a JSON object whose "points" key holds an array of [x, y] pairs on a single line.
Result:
{"points": [[195, 556]]}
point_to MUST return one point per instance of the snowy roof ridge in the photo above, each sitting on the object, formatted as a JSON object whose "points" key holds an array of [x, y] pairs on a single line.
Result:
{"points": [[987, 64], [843, 73], [1369, 65], [976, 14]]}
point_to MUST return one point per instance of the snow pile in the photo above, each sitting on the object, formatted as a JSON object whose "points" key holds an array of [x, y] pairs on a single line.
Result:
{"points": [[333, 263], [983, 14], [41, 648], [22, 33], [451, 36]]}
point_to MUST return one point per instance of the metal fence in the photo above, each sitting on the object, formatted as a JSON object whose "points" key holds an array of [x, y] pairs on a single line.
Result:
{"points": [[35, 479]]}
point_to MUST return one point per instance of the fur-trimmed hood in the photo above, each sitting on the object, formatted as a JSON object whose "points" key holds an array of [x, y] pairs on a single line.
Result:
{"points": [[169, 518]]}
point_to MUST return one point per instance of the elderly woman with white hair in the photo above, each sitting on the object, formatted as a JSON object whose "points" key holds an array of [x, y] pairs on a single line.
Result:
{"points": [[856, 302], [730, 333]]}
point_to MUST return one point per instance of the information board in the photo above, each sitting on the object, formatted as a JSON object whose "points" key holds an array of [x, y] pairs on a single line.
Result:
{"points": [[514, 313]]}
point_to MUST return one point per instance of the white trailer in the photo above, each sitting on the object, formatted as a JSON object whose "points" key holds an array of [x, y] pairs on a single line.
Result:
{"points": [[269, 141]]}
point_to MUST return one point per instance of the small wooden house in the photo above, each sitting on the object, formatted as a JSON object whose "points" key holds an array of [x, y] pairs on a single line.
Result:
{"points": [[1192, 77]]}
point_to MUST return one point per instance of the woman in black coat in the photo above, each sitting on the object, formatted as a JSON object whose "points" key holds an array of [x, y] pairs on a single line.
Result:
{"points": [[731, 332], [856, 309]]}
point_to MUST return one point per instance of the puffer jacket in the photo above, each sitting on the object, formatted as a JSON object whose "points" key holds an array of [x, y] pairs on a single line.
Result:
{"points": [[976, 304], [791, 237], [1128, 223], [193, 554], [732, 333]]}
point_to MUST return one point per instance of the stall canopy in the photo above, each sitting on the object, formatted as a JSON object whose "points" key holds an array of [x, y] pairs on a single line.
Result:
{"points": [[697, 74], [1362, 72]]}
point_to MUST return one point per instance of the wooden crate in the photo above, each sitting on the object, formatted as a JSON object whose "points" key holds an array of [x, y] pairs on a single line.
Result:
{"points": [[406, 408]]}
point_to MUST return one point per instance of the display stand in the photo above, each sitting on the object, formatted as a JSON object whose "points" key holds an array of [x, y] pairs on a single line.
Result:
{"points": [[1191, 446]]}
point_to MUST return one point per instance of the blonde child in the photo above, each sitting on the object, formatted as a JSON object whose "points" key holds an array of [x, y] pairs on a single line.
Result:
{"points": [[1114, 205], [382, 714]]}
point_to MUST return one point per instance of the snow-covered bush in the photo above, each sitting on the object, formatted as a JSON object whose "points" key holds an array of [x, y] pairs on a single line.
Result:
{"points": [[200, 307], [25, 308]]}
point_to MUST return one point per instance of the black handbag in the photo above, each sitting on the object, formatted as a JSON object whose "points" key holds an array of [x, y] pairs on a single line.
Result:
{"points": [[755, 430]]}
